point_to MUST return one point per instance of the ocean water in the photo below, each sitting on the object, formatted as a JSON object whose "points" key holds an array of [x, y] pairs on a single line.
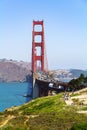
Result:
{"points": [[12, 94]]}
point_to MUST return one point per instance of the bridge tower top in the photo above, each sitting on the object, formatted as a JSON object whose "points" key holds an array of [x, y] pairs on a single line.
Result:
{"points": [[38, 46]]}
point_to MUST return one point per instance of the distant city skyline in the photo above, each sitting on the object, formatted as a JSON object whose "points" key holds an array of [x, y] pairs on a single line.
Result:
{"points": [[65, 24]]}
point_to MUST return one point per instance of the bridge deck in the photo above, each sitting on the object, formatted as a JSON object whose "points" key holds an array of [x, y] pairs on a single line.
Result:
{"points": [[44, 87]]}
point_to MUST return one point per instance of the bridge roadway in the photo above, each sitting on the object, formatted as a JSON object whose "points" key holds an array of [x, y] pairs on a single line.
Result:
{"points": [[46, 86], [43, 84]]}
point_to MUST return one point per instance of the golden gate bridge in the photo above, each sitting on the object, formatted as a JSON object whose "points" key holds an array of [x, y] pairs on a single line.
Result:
{"points": [[40, 77], [39, 57]]}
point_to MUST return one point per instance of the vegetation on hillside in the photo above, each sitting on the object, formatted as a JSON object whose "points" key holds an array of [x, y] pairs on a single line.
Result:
{"points": [[47, 113], [79, 83]]}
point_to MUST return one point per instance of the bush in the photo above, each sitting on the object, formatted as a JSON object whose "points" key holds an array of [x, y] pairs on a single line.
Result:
{"points": [[81, 126], [8, 128]]}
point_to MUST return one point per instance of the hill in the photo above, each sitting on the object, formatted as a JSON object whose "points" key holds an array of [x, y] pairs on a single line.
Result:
{"points": [[19, 71], [47, 113], [77, 72], [14, 71], [66, 75]]}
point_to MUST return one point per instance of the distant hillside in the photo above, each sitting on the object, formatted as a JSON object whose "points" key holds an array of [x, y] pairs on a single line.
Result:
{"points": [[14, 71], [62, 74], [77, 72]]}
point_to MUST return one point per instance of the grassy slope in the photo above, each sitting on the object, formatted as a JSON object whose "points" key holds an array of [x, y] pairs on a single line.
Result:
{"points": [[48, 113]]}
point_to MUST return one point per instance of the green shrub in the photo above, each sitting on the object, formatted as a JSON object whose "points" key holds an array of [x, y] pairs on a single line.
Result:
{"points": [[80, 126], [84, 108], [8, 128]]}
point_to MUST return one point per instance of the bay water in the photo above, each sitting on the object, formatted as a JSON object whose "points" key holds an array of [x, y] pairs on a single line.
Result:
{"points": [[13, 94]]}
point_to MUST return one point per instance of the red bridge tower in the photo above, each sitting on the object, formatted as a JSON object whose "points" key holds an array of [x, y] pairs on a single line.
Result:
{"points": [[38, 46]]}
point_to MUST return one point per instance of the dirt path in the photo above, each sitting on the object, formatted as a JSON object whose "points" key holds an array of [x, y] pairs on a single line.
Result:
{"points": [[6, 120], [69, 101], [79, 91], [82, 97]]}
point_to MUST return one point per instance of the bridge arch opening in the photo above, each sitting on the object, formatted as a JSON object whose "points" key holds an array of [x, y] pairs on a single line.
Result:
{"points": [[38, 38], [38, 51], [38, 28], [38, 65]]}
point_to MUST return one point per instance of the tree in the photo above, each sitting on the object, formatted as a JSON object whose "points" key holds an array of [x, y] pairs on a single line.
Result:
{"points": [[81, 77], [78, 83]]}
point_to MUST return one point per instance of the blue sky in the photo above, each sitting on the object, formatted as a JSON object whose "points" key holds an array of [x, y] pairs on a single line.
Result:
{"points": [[65, 24]]}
